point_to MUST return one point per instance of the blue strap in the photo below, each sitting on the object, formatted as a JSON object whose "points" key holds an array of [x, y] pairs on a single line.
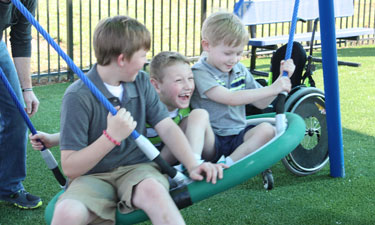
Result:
{"points": [[289, 47], [237, 7], [16, 101]]}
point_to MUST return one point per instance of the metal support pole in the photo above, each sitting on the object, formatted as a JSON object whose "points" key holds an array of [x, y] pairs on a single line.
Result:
{"points": [[203, 17], [69, 35], [331, 87]]}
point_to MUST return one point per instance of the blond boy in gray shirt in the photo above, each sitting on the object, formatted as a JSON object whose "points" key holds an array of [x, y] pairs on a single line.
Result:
{"points": [[224, 86]]}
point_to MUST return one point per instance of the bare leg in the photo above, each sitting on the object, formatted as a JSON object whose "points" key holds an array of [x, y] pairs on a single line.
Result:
{"points": [[253, 139], [150, 196], [71, 211], [199, 133], [167, 155]]}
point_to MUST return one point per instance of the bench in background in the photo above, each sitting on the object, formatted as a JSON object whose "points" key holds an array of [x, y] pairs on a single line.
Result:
{"points": [[278, 11]]}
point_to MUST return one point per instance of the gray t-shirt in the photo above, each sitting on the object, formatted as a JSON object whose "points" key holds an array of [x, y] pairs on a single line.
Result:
{"points": [[83, 118], [225, 119]]}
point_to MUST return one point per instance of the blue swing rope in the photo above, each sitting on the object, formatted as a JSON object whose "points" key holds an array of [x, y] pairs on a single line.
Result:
{"points": [[143, 143], [289, 47], [280, 106], [46, 154], [237, 7]]}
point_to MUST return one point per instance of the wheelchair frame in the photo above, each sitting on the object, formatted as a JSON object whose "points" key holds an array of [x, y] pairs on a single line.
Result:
{"points": [[311, 155]]}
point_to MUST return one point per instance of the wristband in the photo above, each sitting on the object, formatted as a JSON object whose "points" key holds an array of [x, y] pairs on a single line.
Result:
{"points": [[27, 89], [111, 139]]}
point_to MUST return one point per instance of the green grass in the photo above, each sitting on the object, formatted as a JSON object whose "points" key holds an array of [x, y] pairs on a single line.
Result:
{"points": [[314, 199]]}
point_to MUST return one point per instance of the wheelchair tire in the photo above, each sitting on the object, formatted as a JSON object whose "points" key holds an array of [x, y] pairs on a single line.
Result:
{"points": [[311, 155]]}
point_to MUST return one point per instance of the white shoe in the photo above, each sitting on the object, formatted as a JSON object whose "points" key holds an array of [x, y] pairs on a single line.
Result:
{"points": [[180, 168], [221, 160]]}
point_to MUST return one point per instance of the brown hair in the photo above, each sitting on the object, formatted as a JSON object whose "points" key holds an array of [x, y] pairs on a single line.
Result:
{"points": [[224, 27], [162, 60], [119, 35]]}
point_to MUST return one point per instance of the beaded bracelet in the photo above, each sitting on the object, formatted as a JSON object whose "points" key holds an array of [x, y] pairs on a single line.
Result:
{"points": [[27, 89], [111, 139]]}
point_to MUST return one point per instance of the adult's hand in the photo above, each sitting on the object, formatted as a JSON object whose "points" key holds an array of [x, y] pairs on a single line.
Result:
{"points": [[31, 101]]}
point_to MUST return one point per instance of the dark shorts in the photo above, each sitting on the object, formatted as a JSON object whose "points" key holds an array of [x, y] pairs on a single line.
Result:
{"points": [[225, 145]]}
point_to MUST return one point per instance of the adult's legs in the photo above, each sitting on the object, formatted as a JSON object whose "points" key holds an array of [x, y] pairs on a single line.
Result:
{"points": [[13, 131]]}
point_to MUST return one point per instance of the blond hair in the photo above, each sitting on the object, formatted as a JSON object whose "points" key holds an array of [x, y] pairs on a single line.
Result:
{"points": [[163, 60], [224, 27], [119, 35]]}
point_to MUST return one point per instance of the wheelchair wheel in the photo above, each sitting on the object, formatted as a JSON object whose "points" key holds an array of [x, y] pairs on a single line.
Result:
{"points": [[311, 155]]}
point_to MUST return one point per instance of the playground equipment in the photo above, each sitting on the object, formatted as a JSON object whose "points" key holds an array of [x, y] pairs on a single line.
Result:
{"points": [[309, 102], [290, 131]]}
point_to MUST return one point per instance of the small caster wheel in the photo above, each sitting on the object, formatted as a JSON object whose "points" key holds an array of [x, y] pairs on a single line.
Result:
{"points": [[267, 179]]}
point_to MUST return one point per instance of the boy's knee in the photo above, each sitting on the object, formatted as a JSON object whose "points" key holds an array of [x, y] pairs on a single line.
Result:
{"points": [[267, 129], [149, 190], [199, 114], [70, 211]]}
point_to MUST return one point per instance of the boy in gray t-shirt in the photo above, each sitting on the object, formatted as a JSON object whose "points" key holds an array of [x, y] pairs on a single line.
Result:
{"points": [[224, 86]]}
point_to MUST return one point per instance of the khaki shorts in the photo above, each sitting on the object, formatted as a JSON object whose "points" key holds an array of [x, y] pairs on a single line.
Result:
{"points": [[102, 193]]}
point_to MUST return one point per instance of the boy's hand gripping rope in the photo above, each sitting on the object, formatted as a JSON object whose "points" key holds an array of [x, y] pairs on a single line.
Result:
{"points": [[280, 106], [46, 154], [143, 143]]}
